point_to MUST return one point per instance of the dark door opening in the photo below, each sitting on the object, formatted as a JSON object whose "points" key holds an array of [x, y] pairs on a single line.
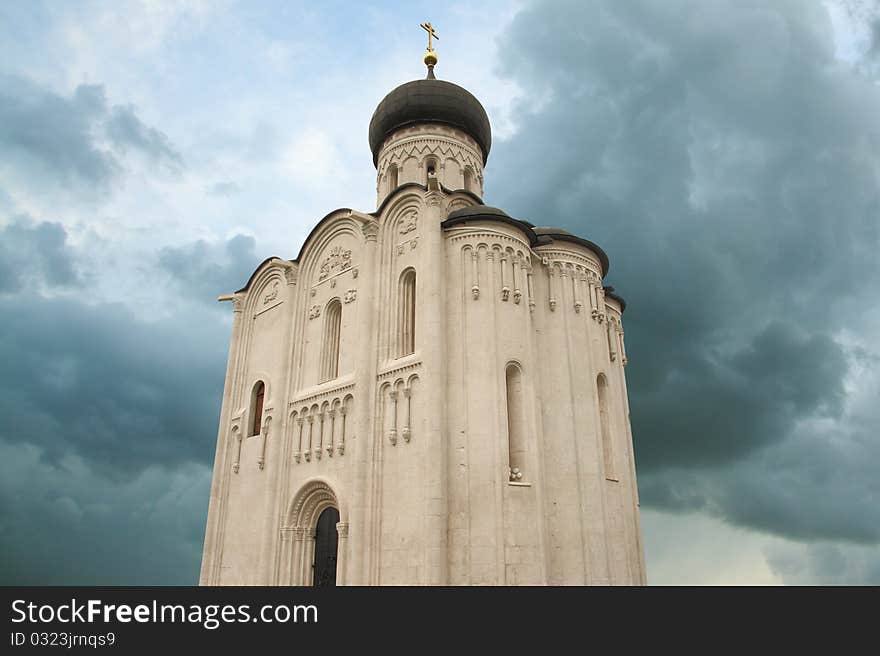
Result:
{"points": [[326, 540]]}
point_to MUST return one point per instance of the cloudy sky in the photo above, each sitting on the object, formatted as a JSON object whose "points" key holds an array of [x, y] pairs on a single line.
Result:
{"points": [[726, 154]]}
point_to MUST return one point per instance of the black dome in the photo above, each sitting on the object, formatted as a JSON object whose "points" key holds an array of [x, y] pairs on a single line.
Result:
{"points": [[430, 101]]}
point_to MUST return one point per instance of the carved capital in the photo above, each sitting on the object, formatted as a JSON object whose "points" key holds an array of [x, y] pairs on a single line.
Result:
{"points": [[238, 303], [434, 198], [406, 434], [370, 230], [392, 437], [340, 448], [342, 530]]}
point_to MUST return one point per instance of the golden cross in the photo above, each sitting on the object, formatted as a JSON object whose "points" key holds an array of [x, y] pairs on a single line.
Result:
{"points": [[431, 33]]}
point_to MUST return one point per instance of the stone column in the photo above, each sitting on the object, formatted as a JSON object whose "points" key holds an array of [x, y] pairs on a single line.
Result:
{"points": [[341, 552], [365, 390], [210, 572], [287, 544], [295, 566], [308, 559], [433, 347]]}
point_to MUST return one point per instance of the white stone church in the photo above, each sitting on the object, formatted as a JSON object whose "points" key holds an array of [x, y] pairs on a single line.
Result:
{"points": [[432, 393]]}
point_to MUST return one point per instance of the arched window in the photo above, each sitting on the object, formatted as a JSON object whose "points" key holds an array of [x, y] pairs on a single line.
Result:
{"points": [[604, 419], [406, 318], [257, 407], [516, 433], [392, 178], [468, 178], [330, 352], [430, 168]]}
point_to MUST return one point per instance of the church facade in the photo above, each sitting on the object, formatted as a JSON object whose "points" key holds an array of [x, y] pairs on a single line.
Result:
{"points": [[431, 393]]}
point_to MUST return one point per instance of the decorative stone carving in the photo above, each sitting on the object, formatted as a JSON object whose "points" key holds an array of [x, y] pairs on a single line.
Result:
{"points": [[290, 275], [409, 222], [272, 294], [236, 435], [297, 455], [339, 259], [237, 303], [350, 296], [370, 230], [434, 198], [314, 312], [261, 461], [515, 475]]}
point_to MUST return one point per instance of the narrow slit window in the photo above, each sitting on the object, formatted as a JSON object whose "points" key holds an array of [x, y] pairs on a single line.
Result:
{"points": [[406, 331], [392, 178], [604, 419], [468, 179], [332, 325], [516, 434], [257, 407], [430, 168]]}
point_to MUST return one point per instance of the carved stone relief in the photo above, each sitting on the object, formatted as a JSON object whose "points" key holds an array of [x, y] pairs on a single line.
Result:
{"points": [[272, 294], [339, 259], [409, 222]]}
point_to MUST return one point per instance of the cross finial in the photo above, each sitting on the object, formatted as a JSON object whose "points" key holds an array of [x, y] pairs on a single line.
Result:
{"points": [[431, 33], [430, 56]]}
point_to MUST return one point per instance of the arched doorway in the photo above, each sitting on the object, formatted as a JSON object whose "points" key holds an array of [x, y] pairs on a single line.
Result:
{"points": [[326, 545], [314, 542]]}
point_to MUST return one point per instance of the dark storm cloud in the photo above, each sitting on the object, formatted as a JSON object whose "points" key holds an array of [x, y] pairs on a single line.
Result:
{"points": [[728, 165], [826, 564], [93, 381], [109, 426], [74, 141], [68, 524], [125, 130], [35, 254], [40, 129], [202, 270]]}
